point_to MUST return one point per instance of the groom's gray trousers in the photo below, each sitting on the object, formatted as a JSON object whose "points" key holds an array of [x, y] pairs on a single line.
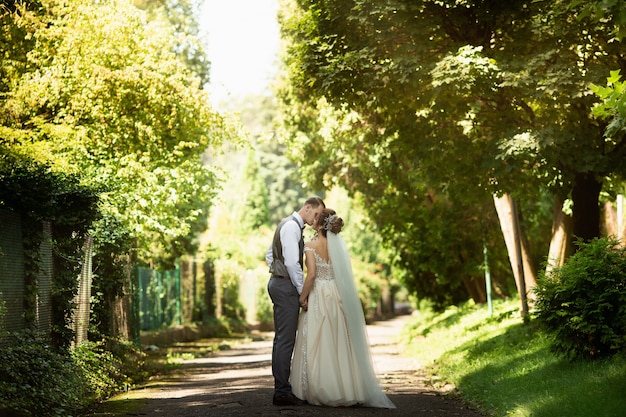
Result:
{"points": [[286, 308]]}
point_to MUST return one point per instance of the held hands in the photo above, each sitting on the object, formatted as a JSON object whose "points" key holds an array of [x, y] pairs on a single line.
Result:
{"points": [[304, 303]]}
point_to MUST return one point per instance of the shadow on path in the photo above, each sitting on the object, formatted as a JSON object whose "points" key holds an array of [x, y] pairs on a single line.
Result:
{"points": [[239, 382]]}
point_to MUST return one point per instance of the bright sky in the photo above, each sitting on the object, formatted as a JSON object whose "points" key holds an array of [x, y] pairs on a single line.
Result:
{"points": [[242, 38]]}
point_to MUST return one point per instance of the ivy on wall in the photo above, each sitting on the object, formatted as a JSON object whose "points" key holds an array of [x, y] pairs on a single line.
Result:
{"points": [[39, 194]]}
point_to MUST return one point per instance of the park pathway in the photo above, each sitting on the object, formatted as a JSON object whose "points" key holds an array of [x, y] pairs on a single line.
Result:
{"points": [[238, 381]]}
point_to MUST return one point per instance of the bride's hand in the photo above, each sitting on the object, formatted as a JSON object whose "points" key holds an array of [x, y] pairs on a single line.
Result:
{"points": [[304, 303]]}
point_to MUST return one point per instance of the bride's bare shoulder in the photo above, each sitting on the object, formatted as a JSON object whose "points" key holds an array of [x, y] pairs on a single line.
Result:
{"points": [[314, 244]]}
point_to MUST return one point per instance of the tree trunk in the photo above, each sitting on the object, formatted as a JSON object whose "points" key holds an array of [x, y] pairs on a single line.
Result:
{"points": [[475, 286], [210, 299], [386, 301], [585, 195], [123, 323], [506, 215], [613, 218], [561, 242]]}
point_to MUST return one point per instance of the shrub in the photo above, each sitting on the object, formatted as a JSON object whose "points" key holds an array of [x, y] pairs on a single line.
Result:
{"points": [[582, 305], [264, 310], [38, 381], [109, 370]]}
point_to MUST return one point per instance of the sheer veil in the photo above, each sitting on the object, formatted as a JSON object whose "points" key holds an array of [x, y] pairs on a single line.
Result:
{"points": [[342, 268]]}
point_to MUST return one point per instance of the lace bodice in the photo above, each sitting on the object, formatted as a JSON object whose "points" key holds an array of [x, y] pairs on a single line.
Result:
{"points": [[323, 269]]}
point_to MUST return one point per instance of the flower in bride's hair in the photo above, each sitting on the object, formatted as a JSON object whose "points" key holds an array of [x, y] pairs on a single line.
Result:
{"points": [[328, 222]]}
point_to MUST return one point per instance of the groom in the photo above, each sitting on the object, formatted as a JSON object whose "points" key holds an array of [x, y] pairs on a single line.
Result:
{"points": [[284, 258]]}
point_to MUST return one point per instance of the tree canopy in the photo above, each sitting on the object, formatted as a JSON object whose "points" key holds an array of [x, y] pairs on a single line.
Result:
{"points": [[106, 91], [426, 108], [111, 95]]}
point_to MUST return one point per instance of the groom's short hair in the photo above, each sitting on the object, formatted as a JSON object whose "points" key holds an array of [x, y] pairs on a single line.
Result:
{"points": [[314, 202]]}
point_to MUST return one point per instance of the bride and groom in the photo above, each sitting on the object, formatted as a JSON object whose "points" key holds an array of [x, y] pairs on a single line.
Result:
{"points": [[320, 355]]}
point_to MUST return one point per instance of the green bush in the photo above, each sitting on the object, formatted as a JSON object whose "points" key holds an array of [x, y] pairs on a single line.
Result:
{"points": [[264, 309], [109, 370], [38, 381], [582, 305]]}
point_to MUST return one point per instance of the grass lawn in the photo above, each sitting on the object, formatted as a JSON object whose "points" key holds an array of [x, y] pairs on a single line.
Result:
{"points": [[506, 368]]}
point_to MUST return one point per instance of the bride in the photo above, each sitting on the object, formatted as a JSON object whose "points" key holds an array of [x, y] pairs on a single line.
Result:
{"points": [[332, 364]]}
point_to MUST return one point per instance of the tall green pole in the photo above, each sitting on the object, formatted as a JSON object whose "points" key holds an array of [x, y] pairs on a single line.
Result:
{"points": [[487, 280], [179, 312]]}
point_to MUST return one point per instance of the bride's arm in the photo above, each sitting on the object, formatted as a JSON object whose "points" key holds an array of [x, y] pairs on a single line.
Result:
{"points": [[310, 276]]}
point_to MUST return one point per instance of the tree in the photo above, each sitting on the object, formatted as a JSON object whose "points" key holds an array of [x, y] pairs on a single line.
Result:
{"points": [[180, 14], [103, 91], [470, 98], [123, 110], [255, 211]]}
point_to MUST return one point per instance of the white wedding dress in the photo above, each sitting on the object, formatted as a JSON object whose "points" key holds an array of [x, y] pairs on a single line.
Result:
{"points": [[332, 364]]}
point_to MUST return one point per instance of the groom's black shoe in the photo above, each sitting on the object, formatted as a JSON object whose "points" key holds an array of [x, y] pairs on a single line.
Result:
{"points": [[287, 400]]}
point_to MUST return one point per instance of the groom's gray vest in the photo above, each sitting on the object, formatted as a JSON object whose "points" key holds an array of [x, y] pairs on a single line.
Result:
{"points": [[278, 268]]}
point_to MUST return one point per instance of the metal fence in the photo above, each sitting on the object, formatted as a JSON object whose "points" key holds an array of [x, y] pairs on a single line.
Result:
{"points": [[80, 316], [11, 272], [178, 296], [159, 298], [12, 280]]}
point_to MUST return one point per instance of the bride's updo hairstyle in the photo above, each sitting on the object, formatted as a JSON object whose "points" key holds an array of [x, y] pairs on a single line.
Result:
{"points": [[329, 221]]}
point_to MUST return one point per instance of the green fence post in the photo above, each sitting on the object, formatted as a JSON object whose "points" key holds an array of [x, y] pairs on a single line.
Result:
{"points": [[178, 293], [487, 280]]}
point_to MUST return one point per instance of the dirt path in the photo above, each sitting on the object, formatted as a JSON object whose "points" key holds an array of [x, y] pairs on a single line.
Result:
{"points": [[239, 382]]}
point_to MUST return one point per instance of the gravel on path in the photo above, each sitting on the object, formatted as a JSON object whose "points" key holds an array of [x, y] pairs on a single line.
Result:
{"points": [[239, 381]]}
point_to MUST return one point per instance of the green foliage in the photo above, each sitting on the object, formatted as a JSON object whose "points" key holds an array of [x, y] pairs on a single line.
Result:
{"points": [[370, 260], [613, 106], [40, 194], [38, 381], [111, 271], [125, 114], [264, 309], [228, 276], [255, 211], [181, 14], [369, 286], [583, 303], [109, 368], [408, 102], [612, 10], [417, 175], [264, 186], [286, 185]]}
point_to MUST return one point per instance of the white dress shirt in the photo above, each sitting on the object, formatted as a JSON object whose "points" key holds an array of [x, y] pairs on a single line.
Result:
{"points": [[290, 236]]}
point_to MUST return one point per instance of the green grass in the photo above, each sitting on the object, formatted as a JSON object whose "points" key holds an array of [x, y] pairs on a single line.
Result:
{"points": [[506, 367]]}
